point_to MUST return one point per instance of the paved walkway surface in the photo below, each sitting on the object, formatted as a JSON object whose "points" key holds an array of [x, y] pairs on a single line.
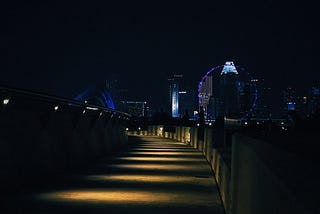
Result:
{"points": [[152, 176]]}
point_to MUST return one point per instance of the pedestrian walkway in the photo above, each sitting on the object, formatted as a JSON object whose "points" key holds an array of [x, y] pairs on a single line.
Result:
{"points": [[154, 175]]}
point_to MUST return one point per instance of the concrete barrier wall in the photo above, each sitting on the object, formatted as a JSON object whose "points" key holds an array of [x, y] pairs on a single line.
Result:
{"points": [[255, 187], [37, 140]]}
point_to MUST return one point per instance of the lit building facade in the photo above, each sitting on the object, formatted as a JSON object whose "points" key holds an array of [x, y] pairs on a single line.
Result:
{"points": [[174, 97], [289, 99], [263, 108], [205, 95], [135, 108], [182, 97], [229, 91]]}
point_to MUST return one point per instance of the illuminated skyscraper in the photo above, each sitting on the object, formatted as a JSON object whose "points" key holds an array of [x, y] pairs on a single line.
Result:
{"points": [[205, 95], [229, 93], [174, 95]]}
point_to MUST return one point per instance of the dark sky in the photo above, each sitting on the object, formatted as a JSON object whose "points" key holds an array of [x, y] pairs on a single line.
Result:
{"points": [[62, 48]]}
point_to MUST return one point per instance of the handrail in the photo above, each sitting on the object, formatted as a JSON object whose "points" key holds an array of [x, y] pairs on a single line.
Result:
{"points": [[59, 99]]}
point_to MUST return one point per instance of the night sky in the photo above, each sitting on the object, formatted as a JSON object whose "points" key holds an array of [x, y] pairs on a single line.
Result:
{"points": [[62, 48]]}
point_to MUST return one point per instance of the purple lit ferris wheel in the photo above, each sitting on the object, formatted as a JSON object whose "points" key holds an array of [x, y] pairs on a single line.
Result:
{"points": [[227, 90]]}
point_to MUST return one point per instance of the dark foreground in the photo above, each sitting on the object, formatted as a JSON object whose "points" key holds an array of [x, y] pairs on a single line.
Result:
{"points": [[152, 176]]}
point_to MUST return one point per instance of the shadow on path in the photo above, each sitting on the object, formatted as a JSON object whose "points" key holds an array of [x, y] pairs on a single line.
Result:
{"points": [[152, 176]]}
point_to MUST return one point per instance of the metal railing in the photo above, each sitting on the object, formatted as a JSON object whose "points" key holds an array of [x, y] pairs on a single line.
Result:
{"points": [[9, 95]]}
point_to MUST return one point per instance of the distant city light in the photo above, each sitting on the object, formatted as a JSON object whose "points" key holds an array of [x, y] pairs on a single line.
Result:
{"points": [[198, 124], [100, 114], [91, 108], [246, 123], [127, 129], [161, 128], [139, 128], [210, 124], [56, 108], [182, 92], [84, 111], [258, 123], [5, 101], [229, 68]]}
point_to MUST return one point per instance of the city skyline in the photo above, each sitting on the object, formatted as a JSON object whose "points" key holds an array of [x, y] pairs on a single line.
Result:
{"points": [[63, 48]]}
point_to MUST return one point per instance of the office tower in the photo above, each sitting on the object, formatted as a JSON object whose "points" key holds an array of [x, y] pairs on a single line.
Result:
{"points": [[205, 95], [263, 107], [314, 103], [289, 99], [135, 108], [229, 93], [174, 96]]}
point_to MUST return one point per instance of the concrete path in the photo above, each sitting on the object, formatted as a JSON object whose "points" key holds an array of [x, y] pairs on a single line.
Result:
{"points": [[153, 176]]}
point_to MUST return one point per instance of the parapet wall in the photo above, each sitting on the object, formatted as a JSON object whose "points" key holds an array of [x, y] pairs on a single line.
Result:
{"points": [[39, 137]]}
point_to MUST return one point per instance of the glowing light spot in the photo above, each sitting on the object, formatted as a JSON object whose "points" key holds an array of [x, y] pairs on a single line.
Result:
{"points": [[5, 101], [161, 159], [56, 108], [91, 108], [107, 196]]}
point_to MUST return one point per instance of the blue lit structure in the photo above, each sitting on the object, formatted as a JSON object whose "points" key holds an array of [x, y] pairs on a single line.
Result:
{"points": [[97, 96], [174, 98], [229, 67]]}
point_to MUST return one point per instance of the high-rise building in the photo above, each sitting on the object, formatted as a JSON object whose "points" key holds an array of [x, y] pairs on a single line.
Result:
{"points": [[205, 95], [135, 108], [182, 97], [314, 103], [263, 107], [289, 99], [229, 93], [174, 96]]}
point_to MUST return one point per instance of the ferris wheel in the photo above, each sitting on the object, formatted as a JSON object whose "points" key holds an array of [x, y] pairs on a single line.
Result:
{"points": [[211, 91]]}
